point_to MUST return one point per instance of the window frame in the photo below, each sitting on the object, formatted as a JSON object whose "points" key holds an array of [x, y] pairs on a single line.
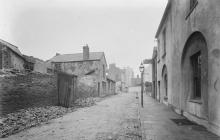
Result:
{"points": [[192, 6], [158, 50], [103, 67], [164, 42], [195, 60]]}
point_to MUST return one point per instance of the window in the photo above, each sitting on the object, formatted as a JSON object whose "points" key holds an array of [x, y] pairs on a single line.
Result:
{"points": [[58, 66], [165, 84], [103, 71], [158, 50], [193, 4], [196, 68], [164, 42]]}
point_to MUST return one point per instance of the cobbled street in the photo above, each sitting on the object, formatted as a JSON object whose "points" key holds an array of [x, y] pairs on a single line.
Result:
{"points": [[115, 117]]}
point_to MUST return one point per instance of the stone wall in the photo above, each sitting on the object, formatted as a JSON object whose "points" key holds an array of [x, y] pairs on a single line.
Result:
{"points": [[24, 91], [87, 86], [17, 61]]}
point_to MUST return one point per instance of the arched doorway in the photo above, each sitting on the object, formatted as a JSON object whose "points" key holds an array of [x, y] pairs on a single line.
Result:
{"points": [[194, 79], [165, 82]]}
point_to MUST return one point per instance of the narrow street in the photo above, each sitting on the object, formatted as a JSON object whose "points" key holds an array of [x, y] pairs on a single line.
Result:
{"points": [[119, 117], [115, 117]]}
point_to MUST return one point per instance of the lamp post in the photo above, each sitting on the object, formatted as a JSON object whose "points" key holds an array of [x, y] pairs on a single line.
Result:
{"points": [[141, 68]]}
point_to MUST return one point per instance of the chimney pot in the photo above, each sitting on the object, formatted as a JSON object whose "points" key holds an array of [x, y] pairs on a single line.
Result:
{"points": [[86, 52]]}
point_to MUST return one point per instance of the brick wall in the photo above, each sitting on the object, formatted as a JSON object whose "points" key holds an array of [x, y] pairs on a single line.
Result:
{"points": [[24, 91]]}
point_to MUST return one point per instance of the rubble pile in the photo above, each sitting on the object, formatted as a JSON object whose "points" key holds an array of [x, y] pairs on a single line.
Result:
{"points": [[26, 118], [85, 102], [23, 119]]}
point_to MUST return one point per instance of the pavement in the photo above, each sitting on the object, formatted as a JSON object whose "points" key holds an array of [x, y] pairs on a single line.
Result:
{"points": [[156, 124]]}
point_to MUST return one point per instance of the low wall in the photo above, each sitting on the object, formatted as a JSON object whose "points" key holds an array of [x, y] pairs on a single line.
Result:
{"points": [[24, 91]]}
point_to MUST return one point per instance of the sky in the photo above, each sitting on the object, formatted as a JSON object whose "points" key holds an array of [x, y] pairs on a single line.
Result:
{"points": [[123, 29]]}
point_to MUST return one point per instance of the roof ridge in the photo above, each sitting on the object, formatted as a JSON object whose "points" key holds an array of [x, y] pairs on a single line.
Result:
{"points": [[79, 53]]}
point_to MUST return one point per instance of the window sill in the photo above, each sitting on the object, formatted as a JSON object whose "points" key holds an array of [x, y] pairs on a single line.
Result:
{"points": [[158, 61], [163, 55], [165, 98], [198, 101], [191, 10]]}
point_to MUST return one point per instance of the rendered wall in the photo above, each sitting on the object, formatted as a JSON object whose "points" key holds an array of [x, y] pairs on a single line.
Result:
{"points": [[204, 19]]}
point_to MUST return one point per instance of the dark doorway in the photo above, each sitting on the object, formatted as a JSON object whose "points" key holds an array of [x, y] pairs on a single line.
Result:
{"points": [[165, 84], [98, 89], [159, 90]]}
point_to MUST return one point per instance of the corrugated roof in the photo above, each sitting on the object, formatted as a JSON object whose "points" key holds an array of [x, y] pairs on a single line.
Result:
{"points": [[12, 47], [76, 57]]}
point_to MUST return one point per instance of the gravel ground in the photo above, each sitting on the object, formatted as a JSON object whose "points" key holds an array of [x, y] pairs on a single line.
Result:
{"points": [[113, 118]]}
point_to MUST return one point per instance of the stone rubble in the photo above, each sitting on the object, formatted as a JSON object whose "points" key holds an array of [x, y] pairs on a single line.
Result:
{"points": [[26, 118]]}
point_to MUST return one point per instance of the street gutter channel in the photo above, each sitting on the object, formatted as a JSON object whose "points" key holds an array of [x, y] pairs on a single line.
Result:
{"points": [[141, 133]]}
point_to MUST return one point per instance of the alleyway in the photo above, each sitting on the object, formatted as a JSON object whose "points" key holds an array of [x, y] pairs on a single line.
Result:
{"points": [[113, 118]]}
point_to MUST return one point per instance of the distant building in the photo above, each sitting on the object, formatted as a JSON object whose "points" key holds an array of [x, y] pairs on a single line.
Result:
{"points": [[122, 76], [136, 81], [147, 73], [90, 64], [115, 72], [129, 74]]}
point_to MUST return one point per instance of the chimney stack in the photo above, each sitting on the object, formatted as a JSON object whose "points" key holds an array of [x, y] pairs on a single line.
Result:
{"points": [[86, 52]]}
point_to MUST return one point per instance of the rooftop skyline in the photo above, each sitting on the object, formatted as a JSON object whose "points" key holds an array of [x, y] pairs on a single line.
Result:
{"points": [[124, 30]]}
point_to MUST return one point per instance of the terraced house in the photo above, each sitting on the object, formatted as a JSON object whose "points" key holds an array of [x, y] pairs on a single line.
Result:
{"points": [[188, 60]]}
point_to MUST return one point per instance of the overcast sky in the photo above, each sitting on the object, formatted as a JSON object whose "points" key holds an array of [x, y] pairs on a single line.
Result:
{"points": [[123, 29]]}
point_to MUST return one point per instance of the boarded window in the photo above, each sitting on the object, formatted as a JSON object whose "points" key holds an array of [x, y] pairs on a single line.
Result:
{"points": [[196, 67]]}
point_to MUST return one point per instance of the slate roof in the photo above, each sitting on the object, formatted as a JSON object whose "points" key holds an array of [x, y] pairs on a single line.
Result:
{"points": [[76, 57], [12, 47]]}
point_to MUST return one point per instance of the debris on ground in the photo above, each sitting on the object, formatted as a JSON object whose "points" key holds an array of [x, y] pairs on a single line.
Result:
{"points": [[85, 102], [26, 118]]}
